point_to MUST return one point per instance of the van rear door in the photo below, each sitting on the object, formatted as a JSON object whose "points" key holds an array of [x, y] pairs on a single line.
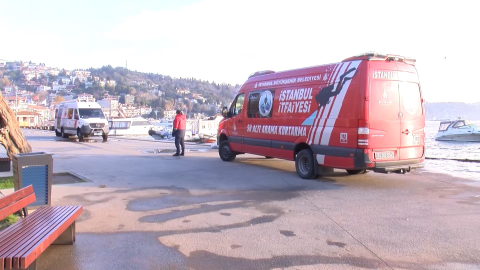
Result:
{"points": [[412, 115], [384, 102]]}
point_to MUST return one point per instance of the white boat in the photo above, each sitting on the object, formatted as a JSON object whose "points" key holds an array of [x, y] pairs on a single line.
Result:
{"points": [[458, 130], [130, 126]]}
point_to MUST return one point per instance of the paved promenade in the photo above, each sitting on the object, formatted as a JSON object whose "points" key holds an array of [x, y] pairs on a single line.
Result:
{"points": [[154, 211]]}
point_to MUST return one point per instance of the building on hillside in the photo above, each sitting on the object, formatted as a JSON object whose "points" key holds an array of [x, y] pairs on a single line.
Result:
{"points": [[86, 97], [52, 72], [111, 83], [183, 91], [169, 114], [43, 88], [129, 99], [88, 84], [9, 89], [81, 75], [145, 110], [65, 80], [109, 97], [58, 87], [17, 103], [128, 111], [109, 108]]}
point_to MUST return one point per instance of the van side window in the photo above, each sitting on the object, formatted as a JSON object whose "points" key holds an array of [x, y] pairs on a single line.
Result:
{"points": [[70, 113], [237, 106], [260, 104], [75, 116]]}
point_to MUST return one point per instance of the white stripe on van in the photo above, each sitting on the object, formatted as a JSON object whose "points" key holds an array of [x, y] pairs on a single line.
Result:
{"points": [[314, 119], [322, 118], [337, 106]]}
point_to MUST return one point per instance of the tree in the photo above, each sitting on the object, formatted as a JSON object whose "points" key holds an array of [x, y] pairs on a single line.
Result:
{"points": [[58, 99], [11, 137]]}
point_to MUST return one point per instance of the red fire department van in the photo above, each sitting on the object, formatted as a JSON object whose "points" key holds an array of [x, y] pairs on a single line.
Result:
{"points": [[364, 113]]}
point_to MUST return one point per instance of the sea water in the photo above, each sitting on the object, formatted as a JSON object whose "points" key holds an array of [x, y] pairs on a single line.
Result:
{"points": [[445, 153]]}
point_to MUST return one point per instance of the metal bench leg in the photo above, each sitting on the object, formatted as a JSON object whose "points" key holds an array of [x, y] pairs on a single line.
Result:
{"points": [[67, 237]]}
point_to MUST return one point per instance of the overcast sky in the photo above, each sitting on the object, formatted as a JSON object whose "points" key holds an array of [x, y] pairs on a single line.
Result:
{"points": [[225, 41]]}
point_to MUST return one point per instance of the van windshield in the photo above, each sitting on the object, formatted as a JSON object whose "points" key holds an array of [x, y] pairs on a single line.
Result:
{"points": [[91, 113]]}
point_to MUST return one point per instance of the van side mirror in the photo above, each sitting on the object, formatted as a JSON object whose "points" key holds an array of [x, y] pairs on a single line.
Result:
{"points": [[225, 112]]}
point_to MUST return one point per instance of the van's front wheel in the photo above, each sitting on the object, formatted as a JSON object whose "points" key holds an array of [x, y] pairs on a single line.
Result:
{"points": [[304, 164], [225, 152]]}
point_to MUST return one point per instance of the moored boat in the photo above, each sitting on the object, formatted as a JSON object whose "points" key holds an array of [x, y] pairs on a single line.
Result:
{"points": [[458, 130]]}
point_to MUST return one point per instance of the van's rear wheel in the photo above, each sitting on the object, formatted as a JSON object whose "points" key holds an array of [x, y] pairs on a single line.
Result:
{"points": [[79, 135], [304, 164], [225, 152], [353, 172], [64, 135]]}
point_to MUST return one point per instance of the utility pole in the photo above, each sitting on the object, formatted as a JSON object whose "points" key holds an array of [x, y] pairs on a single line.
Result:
{"points": [[16, 103]]}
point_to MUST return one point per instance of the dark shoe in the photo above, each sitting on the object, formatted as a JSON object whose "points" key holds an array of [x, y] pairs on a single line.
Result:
{"points": [[182, 154], [176, 155]]}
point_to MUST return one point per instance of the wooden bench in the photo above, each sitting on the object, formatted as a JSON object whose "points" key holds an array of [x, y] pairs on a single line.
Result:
{"points": [[22, 242], [4, 163]]}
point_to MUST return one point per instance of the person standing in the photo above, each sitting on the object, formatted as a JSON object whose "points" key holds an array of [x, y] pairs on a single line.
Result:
{"points": [[179, 126]]}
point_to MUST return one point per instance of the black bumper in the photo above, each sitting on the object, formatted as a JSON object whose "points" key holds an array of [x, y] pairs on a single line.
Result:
{"points": [[88, 131], [398, 166]]}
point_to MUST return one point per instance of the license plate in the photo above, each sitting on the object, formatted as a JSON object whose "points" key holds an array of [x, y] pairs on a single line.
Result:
{"points": [[97, 133], [384, 155]]}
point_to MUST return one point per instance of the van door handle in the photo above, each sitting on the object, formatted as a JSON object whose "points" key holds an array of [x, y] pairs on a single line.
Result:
{"points": [[406, 131]]}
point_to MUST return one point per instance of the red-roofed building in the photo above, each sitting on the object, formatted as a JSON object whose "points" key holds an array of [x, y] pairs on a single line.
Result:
{"points": [[28, 119]]}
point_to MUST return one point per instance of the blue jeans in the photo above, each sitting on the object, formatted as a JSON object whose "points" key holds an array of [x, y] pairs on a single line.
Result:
{"points": [[180, 140]]}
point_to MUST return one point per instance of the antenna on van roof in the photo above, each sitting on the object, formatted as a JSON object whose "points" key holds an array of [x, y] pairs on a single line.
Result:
{"points": [[259, 73]]}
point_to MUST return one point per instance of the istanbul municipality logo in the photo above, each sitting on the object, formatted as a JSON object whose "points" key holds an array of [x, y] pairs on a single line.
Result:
{"points": [[265, 103]]}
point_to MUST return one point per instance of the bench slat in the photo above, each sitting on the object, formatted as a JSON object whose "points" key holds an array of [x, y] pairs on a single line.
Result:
{"points": [[31, 254], [16, 232], [38, 226], [18, 229], [16, 201], [25, 232]]}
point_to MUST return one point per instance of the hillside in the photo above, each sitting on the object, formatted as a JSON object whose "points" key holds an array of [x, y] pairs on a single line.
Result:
{"points": [[452, 110], [162, 92]]}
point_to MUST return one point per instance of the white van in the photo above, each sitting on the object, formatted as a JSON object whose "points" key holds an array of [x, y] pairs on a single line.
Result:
{"points": [[80, 118]]}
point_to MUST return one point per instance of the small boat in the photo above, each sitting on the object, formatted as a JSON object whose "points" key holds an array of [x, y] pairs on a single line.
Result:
{"points": [[458, 130], [130, 126]]}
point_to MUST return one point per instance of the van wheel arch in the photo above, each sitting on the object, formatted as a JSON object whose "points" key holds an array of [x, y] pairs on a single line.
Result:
{"points": [[299, 147]]}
